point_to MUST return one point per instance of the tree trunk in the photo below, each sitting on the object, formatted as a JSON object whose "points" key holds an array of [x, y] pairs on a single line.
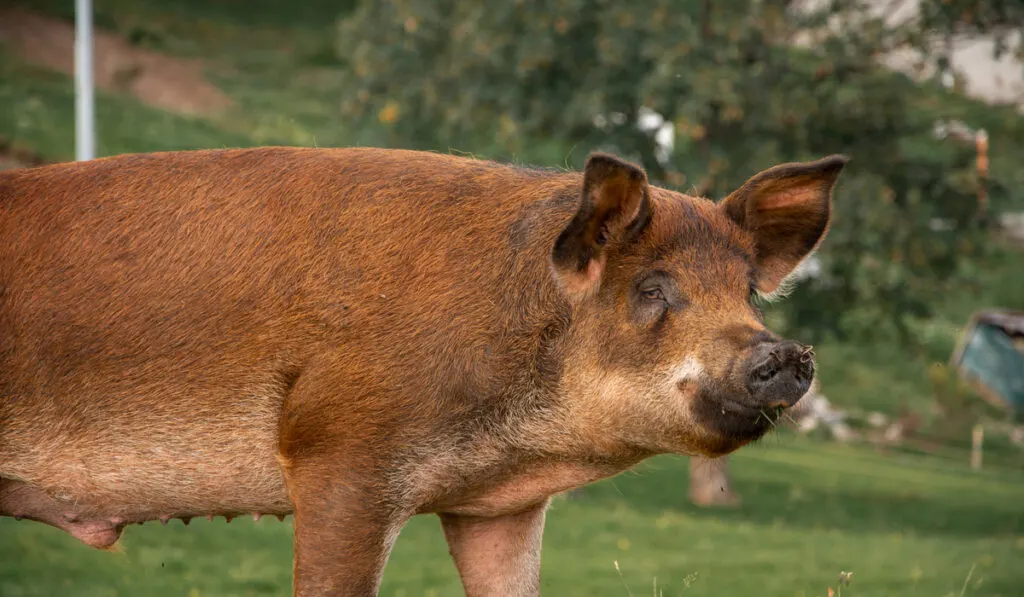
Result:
{"points": [[710, 484]]}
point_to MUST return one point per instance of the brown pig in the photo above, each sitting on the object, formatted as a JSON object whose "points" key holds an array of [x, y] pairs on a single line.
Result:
{"points": [[357, 336]]}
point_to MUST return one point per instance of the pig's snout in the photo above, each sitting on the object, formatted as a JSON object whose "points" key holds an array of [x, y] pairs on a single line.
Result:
{"points": [[780, 373]]}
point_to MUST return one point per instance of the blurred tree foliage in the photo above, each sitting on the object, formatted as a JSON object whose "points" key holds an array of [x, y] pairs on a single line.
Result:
{"points": [[743, 84]]}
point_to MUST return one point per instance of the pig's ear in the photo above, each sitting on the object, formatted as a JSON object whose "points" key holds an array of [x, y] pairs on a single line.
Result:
{"points": [[786, 209], [614, 205]]}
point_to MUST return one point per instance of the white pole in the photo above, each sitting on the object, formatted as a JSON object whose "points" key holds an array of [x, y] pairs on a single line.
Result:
{"points": [[85, 118], [977, 437]]}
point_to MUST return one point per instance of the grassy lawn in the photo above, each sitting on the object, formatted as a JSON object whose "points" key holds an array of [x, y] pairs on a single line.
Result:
{"points": [[37, 108], [274, 60], [905, 525]]}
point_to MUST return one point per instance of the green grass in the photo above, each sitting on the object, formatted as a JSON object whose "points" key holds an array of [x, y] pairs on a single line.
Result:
{"points": [[275, 60], [38, 109], [905, 525]]}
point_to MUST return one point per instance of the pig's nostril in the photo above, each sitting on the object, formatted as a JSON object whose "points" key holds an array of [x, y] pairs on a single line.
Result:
{"points": [[765, 373]]}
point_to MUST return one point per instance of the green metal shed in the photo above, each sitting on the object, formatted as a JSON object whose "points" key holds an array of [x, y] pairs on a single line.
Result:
{"points": [[990, 355]]}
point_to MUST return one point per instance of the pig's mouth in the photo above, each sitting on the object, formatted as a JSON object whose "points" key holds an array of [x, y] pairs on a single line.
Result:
{"points": [[745, 421], [733, 421]]}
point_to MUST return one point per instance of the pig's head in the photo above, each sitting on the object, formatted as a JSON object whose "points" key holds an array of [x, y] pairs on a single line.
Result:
{"points": [[669, 352]]}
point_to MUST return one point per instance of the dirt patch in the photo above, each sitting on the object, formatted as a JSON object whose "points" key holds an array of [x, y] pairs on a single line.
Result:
{"points": [[174, 84]]}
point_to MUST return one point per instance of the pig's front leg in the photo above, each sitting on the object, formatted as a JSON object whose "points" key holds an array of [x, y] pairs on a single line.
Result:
{"points": [[339, 448], [343, 533], [499, 555]]}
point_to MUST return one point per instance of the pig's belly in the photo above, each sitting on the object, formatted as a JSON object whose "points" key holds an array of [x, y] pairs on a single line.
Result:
{"points": [[92, 480]]}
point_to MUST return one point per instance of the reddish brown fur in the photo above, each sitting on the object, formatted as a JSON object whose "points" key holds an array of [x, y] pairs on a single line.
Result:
{"points": [[361, 335]]}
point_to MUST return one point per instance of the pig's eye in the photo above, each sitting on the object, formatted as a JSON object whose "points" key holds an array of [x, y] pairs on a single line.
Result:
{"points": [[653, 294], [652, 297]]}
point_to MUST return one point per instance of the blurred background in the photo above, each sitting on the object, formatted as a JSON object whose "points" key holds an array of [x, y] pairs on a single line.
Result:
{"points": [[905, 465]]}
